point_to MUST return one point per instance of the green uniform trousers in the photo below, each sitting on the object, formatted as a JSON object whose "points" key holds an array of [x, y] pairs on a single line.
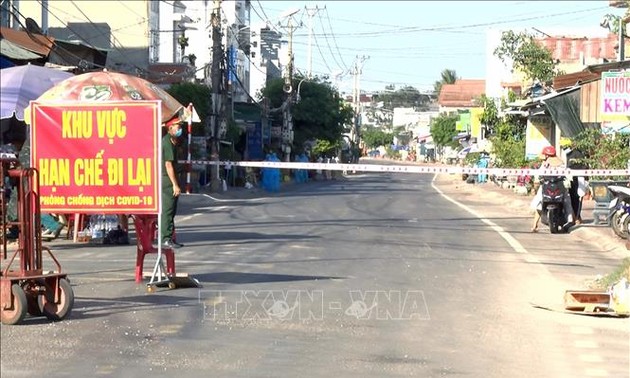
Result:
{"points": [[169, 209]]}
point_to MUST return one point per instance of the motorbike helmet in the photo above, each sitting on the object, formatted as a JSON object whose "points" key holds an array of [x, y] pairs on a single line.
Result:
{"points": [[549, 151]]}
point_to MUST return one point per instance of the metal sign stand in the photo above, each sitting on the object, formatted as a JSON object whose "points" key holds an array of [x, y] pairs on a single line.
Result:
{"points": [[159, 276]]}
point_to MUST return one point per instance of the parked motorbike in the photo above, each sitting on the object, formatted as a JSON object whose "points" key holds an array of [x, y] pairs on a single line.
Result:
{"points": [[619, 207], [553, 212]]}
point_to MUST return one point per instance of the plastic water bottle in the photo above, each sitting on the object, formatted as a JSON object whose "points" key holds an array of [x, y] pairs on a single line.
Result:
{"points": [[96, 226], [112, 223]]}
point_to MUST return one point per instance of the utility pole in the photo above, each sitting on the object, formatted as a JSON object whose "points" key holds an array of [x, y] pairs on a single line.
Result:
{"points": [[311, 13], [356, 98], [217, 56], [622, 47], [287, 118]]}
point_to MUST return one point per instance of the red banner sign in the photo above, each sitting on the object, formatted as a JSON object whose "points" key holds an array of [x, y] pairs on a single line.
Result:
{"points": [[97, 157]]}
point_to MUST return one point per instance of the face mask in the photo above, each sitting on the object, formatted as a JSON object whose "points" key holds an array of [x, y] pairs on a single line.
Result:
{"points": [[178, 133]]}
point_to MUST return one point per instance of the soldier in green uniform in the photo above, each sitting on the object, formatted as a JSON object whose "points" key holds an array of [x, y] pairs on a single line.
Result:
{"points": [[170, 187]]}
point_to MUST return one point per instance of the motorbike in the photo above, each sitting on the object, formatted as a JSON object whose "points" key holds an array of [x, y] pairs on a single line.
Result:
{"points": [[619, 207], [553, 211]]}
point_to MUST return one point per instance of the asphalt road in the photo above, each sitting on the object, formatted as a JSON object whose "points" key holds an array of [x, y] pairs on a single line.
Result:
{"points": [[374, 275]]}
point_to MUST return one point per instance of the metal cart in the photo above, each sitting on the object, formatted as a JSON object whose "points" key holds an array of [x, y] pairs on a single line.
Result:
{"points": [[25, 287]]}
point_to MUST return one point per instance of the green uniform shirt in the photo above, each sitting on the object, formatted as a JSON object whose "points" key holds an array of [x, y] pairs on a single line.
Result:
{"points": [[169, 153]]}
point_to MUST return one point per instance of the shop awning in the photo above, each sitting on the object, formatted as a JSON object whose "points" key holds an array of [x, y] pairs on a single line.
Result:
{"points": [[564, 108], [14, 51]]}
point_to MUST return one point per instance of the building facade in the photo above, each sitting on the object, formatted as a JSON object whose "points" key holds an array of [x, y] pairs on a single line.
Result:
{"points": [[121, 28], [265, 57]]}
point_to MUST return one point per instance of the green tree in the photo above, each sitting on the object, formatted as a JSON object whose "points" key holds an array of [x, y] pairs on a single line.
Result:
{"points": [[406, 97], [490, 115], [325, 148], [609, 151], [198, 95], [320, 114], [374, 137], [443, 129], [527, 55], [507, 134], [447, 76], [508, 144]]}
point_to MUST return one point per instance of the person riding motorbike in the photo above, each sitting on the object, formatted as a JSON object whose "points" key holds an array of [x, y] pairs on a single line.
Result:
{"points": [[551, 161]]}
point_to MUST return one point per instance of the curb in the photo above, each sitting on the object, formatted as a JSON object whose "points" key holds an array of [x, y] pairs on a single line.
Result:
{"points": [[585, 232]]}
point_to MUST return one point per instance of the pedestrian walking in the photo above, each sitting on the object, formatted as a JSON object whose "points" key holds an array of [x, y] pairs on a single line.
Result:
{"points": [[579, 184]]}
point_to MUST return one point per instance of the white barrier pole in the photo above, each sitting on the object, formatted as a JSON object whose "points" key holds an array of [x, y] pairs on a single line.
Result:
{"points": [[189, 164]]}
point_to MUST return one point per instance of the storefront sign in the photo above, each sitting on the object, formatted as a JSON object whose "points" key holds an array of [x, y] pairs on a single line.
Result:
{"points": [[615, 105]]}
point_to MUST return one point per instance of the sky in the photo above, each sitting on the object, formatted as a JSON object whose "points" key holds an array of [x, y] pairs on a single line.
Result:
{"points": [[412, 42]]}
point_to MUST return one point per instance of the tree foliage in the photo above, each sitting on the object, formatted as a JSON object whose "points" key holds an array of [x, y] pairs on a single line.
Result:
{"points": [[319, 115], [508, 145], [613, 20], [490, 115], [507, 134], [443, 129], [374, 137], [198, 95], [609, 151], [447, 76], [534, 60], [325, 148], [405, 97]]}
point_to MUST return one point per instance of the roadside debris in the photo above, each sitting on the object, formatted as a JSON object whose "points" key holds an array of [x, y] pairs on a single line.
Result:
{"points": [[615, 301]]}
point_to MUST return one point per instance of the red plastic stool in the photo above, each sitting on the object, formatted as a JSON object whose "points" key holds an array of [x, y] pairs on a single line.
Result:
{"points": [[146, 226]]}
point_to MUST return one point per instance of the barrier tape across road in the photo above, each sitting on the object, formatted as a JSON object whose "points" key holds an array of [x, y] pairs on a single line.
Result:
{"points": [[416, 168]]}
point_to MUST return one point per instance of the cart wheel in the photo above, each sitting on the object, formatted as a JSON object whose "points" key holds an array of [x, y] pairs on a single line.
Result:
{"points": [[150, 288], [33, 304], [18, 308], [171, 285], [57, 311]]}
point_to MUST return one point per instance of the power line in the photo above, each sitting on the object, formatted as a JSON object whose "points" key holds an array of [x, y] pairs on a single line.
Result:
{"points": [[70, 53], [415, 29], [119, 49], [266, 19], [345, 66], [322, 55], [328, 42], [131, 10], [54, 43]]}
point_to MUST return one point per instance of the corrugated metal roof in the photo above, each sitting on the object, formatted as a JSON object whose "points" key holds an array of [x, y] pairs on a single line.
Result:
{"points": [[37, 43], [588, 74], [569, 80], [541, 100]]}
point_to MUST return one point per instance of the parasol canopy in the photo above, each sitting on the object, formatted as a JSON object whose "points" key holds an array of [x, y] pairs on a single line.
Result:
{"points": [[22, 84], [113, 86]]}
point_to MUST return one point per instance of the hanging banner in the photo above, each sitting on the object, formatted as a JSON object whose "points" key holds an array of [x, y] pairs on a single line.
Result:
{"points": [[99, 157]]}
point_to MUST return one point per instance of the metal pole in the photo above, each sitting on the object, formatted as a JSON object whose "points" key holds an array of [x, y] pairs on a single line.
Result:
{"points": [[217, 55], [311, 13], [622, 46], [189, 164], [288, 89]]}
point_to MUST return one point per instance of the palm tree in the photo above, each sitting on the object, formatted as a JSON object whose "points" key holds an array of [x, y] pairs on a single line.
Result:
{"points": [[448, 76]]}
